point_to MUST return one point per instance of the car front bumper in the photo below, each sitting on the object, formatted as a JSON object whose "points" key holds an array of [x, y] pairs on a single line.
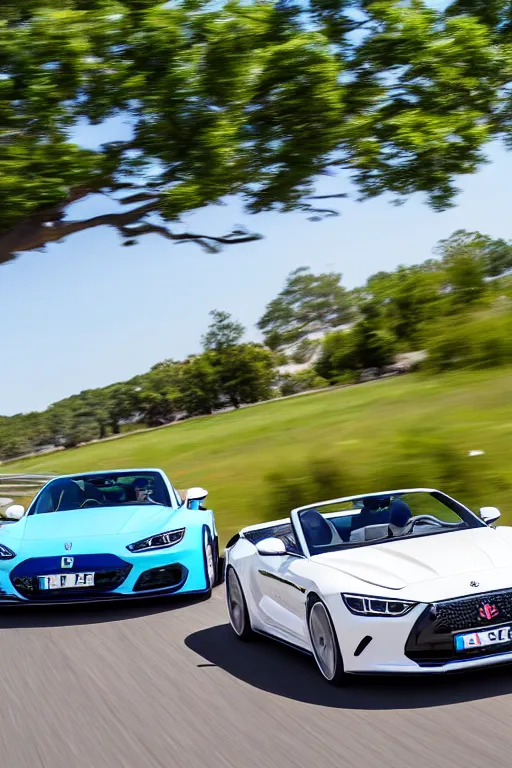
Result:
{"points": [[423, 640], [464, 665], [119, 575]]}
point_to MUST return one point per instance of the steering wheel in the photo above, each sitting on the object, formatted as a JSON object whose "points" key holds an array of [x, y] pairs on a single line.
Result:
{"points": [[93, 501], [423, 520]]}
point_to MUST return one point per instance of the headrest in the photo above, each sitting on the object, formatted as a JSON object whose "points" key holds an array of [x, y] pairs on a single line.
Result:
{"points": [[316, 529], [399, 513]]}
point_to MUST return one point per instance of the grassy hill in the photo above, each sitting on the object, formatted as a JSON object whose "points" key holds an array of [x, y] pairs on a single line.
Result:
{"points": [[404, 431]]}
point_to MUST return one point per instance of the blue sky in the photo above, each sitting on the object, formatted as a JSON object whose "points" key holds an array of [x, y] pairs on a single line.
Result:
{"points": [[89, 312]]}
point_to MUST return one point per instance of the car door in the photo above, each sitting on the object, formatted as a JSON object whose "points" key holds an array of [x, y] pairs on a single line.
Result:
{"points": [[281, 588]]}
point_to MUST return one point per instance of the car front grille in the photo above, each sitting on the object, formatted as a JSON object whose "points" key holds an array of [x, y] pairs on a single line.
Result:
{"points": [[431, 640], [468, 612], [110, 572]]}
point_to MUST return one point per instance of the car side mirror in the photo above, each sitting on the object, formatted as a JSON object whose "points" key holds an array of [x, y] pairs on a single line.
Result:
{"points": [[271, 547], [490, 514], [194, 497], [14, 512]]}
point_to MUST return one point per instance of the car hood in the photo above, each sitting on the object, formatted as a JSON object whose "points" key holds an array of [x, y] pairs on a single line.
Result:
{"points": [[398, 564], [94, 521]]}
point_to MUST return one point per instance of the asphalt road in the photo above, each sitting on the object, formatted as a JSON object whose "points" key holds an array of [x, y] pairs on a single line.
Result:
{"points": [[167, 684]]}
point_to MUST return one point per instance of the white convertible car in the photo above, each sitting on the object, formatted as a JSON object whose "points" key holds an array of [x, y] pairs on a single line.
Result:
{"points": [[399, 581]]}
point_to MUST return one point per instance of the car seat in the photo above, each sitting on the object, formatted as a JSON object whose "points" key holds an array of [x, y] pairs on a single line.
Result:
{"points": [[399, 516], [67, 495], [318, 531], [374, 512]]}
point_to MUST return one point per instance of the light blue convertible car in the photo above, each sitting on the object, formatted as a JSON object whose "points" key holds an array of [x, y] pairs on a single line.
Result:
{"points": [[108, 535]]}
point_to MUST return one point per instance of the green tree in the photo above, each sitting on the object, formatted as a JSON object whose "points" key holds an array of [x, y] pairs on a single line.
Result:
{"points": [[498, 256], [121, 403], [308, 303], [93, 405], [481, 255], [364, 346], [404, 300], [158, 394], [23, 433], [198, 385], [465, 265], [339, 355], [374, 347], [73, 421], [223, 332], [245, 373], [254, 99]]}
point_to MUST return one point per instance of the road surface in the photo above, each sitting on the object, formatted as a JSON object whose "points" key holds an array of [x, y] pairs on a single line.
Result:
{"points": [[164, 685]]}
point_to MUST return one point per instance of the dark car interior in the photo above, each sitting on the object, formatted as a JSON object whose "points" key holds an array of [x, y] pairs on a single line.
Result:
{"points": [[378, 518], [91, 491]]}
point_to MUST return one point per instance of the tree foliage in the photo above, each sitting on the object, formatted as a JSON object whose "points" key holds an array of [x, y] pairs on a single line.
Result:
{"points": [[255, 99], [448, 306], [481, 339], [307, 304], [223, 332], [245, 373]]}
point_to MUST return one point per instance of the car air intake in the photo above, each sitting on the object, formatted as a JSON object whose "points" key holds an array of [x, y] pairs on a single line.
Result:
{"points": [[169, 576]]}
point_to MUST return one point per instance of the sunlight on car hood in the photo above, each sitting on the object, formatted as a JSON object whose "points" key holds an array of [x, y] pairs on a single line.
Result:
{"points": [[398, 564], [97, 521]]}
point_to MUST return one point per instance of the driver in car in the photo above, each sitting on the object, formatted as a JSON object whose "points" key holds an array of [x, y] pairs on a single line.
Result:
{"points": [[142, 490]]}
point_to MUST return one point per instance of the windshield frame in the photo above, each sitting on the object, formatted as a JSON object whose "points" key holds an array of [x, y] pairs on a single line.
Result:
{"points": [[167, 491], [467, 516]]}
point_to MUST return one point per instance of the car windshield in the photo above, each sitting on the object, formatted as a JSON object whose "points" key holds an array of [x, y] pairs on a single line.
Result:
{"points": [[109, 489], [387, 517]]}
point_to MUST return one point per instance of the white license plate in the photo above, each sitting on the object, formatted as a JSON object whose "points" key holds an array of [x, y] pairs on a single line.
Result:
{"points": [[483, 638], [66, 580]]}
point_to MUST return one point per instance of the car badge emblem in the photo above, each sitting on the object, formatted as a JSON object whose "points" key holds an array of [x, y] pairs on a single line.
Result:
{"points": [[67, 562], [488, 611], [68, 545], [474, 583]]}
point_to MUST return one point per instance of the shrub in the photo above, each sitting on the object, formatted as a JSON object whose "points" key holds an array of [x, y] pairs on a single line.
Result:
{"points": [[293, 384], [481, 340], [297, 485]]}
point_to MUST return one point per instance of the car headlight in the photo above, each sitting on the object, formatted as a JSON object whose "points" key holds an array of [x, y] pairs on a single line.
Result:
{"points": [[6, 553], [159, 541], [362, 605]]}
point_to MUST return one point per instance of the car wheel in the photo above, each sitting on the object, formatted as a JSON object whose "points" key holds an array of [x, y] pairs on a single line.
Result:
{"points": [[324, 643], [209, 560], [237, 607]]}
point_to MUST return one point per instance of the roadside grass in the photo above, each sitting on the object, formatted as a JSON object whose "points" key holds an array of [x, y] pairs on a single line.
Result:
{"points": [[259, 462]]}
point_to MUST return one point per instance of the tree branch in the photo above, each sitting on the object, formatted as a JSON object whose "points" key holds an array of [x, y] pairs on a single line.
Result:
{"points": [[208, 242], [328, 197], [47, 227], [139, 197]]}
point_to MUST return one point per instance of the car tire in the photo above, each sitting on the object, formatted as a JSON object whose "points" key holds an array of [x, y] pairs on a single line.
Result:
{"points": [[221, 569], [210, 561], [324, 643], [237, 606]]}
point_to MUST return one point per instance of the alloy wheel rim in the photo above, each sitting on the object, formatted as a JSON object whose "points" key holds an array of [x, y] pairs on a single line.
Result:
{"points": [[235, 603], [322, 640], [209, 564]]}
